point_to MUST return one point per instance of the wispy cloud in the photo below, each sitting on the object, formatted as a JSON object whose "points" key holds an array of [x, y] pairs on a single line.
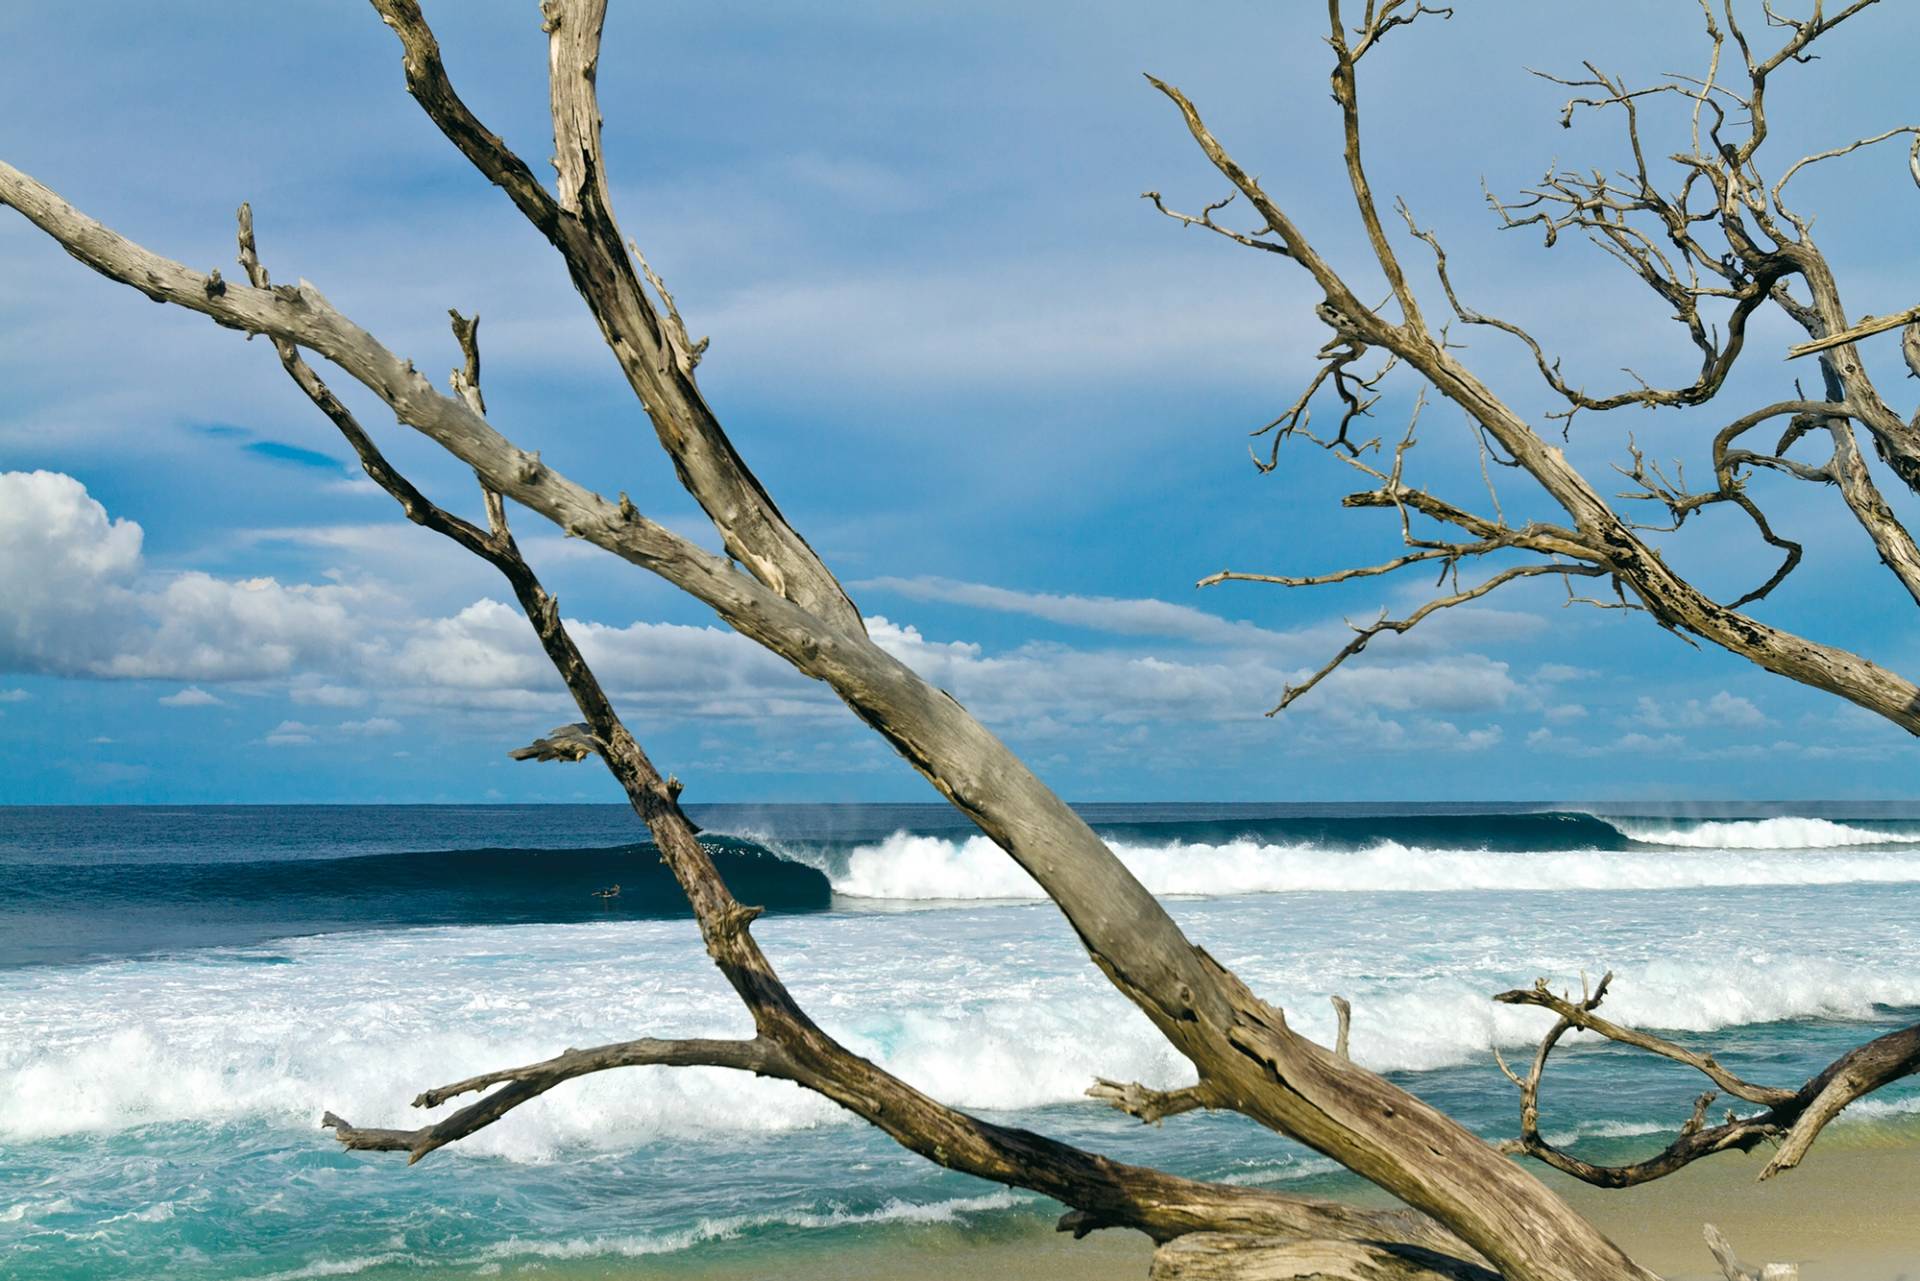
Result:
{"points": [[1120, 616]]}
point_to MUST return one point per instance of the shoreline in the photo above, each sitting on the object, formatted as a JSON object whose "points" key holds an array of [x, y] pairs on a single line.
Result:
{"points": [[1851, 1213]]}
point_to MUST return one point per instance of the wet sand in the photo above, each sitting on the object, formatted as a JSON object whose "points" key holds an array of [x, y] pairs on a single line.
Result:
{"points": [[1852, 1213]]}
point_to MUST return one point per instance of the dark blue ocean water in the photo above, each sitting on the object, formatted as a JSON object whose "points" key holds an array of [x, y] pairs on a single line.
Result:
{"points": [[184, 991]]}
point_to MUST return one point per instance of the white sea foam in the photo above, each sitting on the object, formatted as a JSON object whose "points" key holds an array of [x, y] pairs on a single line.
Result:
{"points": [[24, 1210], [350, 1266], [995, 1010], [1787, 833], [906, 867], [641, 1244]]}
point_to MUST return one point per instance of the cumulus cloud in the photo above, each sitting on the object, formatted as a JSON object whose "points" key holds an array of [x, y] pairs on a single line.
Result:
{"points": [[64, 566], [1634, 743], [336, 644], [486, 655], [80, 603], [14, 696], [1723, 710], [289, 734], [191, 696]]}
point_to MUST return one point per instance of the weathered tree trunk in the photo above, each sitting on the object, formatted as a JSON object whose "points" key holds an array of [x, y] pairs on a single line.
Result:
{"points": [[1216, 1256]]}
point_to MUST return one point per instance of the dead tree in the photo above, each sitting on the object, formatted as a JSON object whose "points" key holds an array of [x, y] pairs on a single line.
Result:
{"points": [[1473, 1212]]}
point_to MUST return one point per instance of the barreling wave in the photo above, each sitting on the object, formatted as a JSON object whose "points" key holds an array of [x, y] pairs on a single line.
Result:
{"points": [[909, 867], [53, 912]]}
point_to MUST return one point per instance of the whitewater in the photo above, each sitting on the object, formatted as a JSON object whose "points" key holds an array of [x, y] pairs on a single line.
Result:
{"points": [[159, 1106]]}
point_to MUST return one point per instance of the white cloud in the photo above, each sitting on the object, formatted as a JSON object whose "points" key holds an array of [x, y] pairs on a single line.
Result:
{"points": [[308, 689], [1040, 684], [1637, 742], [1547, 740], [191, 696], [79, 603], [487, 655], [1722, 710], [289, 734], [1124, 617], [333, 645], [1561, 713], [63, 570], [14, 696]]}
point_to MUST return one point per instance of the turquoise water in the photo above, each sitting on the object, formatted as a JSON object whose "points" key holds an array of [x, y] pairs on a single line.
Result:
{"points": [[186, 991]]}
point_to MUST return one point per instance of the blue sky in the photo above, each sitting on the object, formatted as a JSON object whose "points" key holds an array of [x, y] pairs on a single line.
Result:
{"points": [[1006, 401]]}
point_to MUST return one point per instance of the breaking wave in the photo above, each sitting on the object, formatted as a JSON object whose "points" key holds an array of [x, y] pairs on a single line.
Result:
{"points": [[1786, 833], [909, 867]]}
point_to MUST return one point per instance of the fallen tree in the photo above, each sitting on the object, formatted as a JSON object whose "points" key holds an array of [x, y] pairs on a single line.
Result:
{"points": [[1472, 1211]]}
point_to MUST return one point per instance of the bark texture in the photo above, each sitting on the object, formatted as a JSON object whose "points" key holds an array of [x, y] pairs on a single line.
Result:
{"points": [[1211, 1256]]}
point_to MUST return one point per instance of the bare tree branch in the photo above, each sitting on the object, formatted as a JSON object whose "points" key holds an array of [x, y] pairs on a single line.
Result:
{"points": [[788, 1045], [1363, 635], [527, 1083], [1747, 276], [651, 351], [1792, 1118]]}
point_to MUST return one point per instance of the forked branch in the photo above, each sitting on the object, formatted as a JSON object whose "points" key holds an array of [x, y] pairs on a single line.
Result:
{"points": [[1793, 1118], [788, 1044]]}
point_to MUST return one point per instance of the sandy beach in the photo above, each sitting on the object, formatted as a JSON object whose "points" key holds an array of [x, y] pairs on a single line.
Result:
{"points": [[1852, 1213]]}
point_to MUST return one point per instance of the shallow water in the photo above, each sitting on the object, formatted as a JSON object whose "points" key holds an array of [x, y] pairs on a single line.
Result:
{"points": [[159, 1100]]}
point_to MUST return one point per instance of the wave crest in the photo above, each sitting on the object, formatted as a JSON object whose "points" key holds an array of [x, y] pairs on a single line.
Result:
{"points": [[1784, 833], [912, 868]]}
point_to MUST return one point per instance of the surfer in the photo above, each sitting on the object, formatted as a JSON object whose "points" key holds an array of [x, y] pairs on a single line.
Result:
{"points": [[612, 891]]}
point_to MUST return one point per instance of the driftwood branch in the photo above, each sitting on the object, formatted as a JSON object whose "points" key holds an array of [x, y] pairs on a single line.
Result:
{"points": [[1238, 1043], [573, 742], [1343, 1011], [1659, 235], [1362, 635], [1792, 1119], [1151, 1106], [651, 350], [788, 1045], [1735, 1270], [524, 1084], [1854, 333], [1213, 1256]]}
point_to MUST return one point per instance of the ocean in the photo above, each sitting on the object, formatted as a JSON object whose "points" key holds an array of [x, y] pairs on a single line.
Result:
{"points": [[184, 991]]}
